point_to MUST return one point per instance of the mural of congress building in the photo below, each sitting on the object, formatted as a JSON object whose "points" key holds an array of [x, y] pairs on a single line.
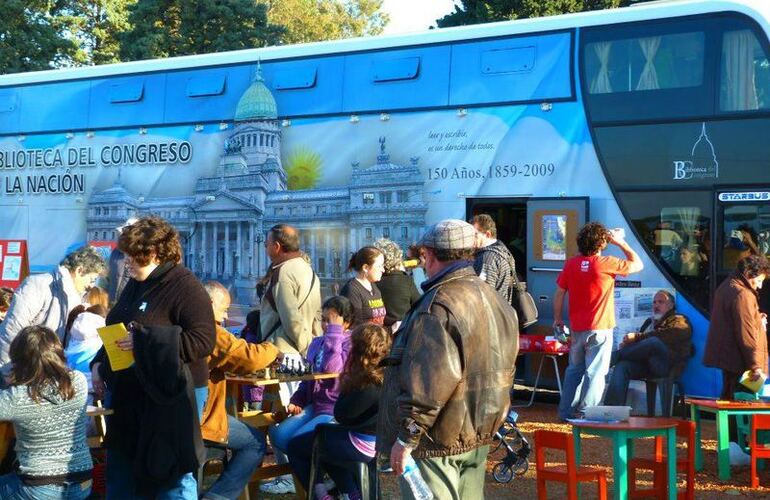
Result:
{"points": [[223, 223]]}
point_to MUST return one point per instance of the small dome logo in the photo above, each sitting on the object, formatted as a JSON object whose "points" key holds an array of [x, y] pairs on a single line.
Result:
{"points": [[703, 163]]}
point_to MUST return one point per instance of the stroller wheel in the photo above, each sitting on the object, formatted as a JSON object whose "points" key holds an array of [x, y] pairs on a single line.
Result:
{"points": [[502, 473], [521, 466]]}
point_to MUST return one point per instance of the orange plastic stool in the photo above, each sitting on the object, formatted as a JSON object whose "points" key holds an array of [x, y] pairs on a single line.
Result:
{"points": [[686, 430], [571, 474], [758, 450]]}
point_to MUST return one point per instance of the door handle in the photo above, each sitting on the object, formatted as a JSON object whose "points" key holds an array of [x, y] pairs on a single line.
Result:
{"points": [[546, 269]]}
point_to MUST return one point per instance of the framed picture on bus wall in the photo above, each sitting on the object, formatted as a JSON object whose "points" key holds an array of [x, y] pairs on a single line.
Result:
{"points": [[555, 233]]}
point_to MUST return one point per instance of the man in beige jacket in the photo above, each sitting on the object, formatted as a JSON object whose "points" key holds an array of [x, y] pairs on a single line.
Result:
{"points": [[291, 308], [290, 313]]}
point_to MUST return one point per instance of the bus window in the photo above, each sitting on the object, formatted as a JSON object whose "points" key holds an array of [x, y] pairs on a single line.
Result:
{"points": [[645, 63], [745, 73], [676, 229], [745, 231]]}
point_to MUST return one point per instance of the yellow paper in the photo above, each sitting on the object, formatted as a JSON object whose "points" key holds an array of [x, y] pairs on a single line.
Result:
{"points": [[119, 359], [753, 385]]}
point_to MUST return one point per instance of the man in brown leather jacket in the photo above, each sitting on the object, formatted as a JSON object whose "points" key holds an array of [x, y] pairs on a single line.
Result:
{"points": [[448, 376]]}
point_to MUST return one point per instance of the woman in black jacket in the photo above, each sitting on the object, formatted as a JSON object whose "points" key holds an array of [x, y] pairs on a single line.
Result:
{"points": [[396, 286], [356, 409], [161, 293]]}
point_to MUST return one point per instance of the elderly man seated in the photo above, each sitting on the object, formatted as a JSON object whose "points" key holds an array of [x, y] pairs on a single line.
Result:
{"points": [[661, 349]]}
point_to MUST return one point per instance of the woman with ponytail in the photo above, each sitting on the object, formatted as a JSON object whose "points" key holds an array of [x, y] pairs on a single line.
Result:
{"points": [[369, 264]]}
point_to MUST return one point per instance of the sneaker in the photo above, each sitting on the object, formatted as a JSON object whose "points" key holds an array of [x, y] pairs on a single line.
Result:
{"points": [[280, 486], [738, 456]]}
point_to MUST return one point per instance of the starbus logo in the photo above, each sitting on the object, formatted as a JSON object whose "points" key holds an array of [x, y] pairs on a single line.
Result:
{"points": [[703, 162]]}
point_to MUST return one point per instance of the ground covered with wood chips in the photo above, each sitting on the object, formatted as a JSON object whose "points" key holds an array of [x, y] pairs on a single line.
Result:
{"points": [[598, 452]]}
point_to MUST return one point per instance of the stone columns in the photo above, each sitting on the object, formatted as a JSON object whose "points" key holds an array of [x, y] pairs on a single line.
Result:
{"points": [[313, 251], [252, 257], [239, 251], [193, 264], [262, 261], [214, 249], [353, 244], [204, 252], [329, 262], [228, 259]]}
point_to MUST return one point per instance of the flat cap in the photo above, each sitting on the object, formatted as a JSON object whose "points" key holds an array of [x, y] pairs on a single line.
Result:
{"points": [[450, 234]]}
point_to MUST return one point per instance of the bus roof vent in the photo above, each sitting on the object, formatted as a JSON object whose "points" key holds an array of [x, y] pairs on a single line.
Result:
{"points": [[126, 92], [204, 86], [295, 78], [8, 100], [393, 70], [514, 60]]}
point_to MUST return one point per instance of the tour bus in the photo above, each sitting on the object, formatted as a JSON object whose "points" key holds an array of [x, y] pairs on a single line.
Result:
{"points": [[654, 119]]}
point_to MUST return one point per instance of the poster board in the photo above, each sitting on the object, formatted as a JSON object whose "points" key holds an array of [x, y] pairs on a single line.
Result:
{"points": [[14, 262], [632, 307], [555, 237]]}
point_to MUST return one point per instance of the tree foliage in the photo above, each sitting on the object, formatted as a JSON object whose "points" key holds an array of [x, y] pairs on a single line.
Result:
{"points": [[165, 28], [33, 36], [486, 11], [97, 25], [316, 20], [44, 34]]}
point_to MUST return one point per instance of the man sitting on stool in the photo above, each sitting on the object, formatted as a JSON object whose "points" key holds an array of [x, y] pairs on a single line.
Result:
{"points": [[661, 349]]}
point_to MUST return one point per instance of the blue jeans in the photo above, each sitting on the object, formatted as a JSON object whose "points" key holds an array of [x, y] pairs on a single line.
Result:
{"points": [[646, 358], [589, 362], [201, 395], [281, 434], [121, 484], [11, 488], [248, 446]]}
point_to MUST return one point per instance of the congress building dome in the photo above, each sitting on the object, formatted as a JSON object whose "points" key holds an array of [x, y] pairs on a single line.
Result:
{"points": [[257, 103]]}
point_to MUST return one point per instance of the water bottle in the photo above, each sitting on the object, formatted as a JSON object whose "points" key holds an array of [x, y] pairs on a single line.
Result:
{"points": [[416, 483]]}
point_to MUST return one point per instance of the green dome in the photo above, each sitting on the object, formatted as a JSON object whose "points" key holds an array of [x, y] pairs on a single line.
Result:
{"points": [[257, 103]]}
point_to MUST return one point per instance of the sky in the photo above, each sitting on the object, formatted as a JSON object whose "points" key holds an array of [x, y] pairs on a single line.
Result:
{"points": [[414, 15]]}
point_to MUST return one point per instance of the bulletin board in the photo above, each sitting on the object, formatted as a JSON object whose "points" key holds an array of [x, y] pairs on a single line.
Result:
{"points": [[14, 262], [555, 235]]}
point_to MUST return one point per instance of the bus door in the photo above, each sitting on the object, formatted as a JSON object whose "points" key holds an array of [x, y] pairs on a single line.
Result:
{"points": [[552, 227], [742, 229], [510, 216]]}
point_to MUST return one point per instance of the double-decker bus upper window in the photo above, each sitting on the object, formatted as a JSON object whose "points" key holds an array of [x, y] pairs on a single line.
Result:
{"points": [[745, 74], [676, 229], [645, 63]]}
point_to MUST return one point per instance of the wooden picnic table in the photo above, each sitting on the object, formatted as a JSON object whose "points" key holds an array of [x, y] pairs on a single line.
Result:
{"points": [[264, 417]]}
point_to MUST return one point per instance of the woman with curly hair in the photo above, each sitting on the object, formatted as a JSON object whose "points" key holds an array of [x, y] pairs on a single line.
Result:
{"points": [[356, 409], [398, 290], [47, 298], [163, 305]]}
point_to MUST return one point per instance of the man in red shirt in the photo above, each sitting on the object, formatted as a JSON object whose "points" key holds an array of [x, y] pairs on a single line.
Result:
{"points": [[589, 279]]}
